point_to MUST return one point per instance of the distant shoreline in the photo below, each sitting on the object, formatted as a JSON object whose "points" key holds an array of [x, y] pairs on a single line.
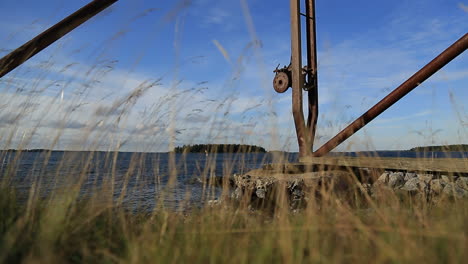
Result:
{"points": [[228, 148], [219, 148], [442, 148]]}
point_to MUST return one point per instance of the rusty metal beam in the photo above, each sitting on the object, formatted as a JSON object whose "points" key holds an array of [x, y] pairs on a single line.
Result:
{"points": [[46, 38], [297, 77], [312, 80], [432, 67]]}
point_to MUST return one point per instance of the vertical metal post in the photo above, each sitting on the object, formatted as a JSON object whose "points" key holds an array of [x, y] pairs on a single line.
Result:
{"points": [[312, 80], [297, 77], [43, 40]]}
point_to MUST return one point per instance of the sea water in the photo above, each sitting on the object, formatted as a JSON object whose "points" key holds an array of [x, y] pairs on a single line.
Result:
{"points": [[143, 180]]}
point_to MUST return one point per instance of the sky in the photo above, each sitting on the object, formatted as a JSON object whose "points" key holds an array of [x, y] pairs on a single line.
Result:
{"points": [[151, 75]]}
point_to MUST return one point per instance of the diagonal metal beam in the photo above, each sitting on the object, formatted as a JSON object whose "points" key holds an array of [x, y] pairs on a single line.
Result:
{"points": [[414, 81], [46, 38]]}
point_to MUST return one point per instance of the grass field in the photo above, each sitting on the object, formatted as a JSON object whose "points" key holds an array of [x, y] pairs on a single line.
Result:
{"points": [[393, 229]]}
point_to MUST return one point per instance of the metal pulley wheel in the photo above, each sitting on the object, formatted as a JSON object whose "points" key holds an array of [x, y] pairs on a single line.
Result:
{"points": [[281, 82]]}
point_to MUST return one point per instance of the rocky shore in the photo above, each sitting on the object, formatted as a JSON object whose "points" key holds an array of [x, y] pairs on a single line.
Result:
{"points": [[427, 186], [261, 185]]}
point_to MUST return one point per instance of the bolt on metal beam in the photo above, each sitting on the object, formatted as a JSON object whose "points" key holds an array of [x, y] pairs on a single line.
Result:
{"points": [[46, 38], [423, 74]]}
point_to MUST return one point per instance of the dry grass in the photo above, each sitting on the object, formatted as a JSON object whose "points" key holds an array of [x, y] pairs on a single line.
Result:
{"points": [[62, 226], [60, 229]]}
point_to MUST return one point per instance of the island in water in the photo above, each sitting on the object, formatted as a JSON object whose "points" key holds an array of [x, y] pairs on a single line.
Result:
{"points": [[219, 148], [442, 148]]}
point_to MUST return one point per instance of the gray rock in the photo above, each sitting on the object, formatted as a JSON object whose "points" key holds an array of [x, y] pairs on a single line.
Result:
{"points": [[426, 177], [261, 193], [414, 185], [462, 182], [410, 175], [237, 194], [297, 194], [453, 190], [396, 180], [383, 179], [445, 179], [436, 187], [214, 202]]}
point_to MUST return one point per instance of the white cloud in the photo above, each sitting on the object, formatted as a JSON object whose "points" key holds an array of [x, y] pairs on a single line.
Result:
{"points": [[402, 118], [239, 103]]}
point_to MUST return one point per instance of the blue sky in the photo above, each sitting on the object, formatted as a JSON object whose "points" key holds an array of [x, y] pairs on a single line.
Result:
{"points": [[147, 75]]}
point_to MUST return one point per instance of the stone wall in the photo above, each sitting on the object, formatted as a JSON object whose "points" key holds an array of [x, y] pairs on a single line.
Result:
{"points": [[427, 186], [261, 185]]}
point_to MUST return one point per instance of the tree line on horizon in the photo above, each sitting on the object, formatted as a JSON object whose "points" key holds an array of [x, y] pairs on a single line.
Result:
{"points": [[458, 147], [219, 148]]}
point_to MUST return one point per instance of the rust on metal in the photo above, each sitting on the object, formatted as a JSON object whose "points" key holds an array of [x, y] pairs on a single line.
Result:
{"points": [[306, 78], [46, 38], [297, 77], [281, 82], [312, 80], [423, 74], [301, 78]]}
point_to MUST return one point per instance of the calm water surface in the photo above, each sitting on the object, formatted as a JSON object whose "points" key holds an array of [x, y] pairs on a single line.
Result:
{"points": [[142, 179]]}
